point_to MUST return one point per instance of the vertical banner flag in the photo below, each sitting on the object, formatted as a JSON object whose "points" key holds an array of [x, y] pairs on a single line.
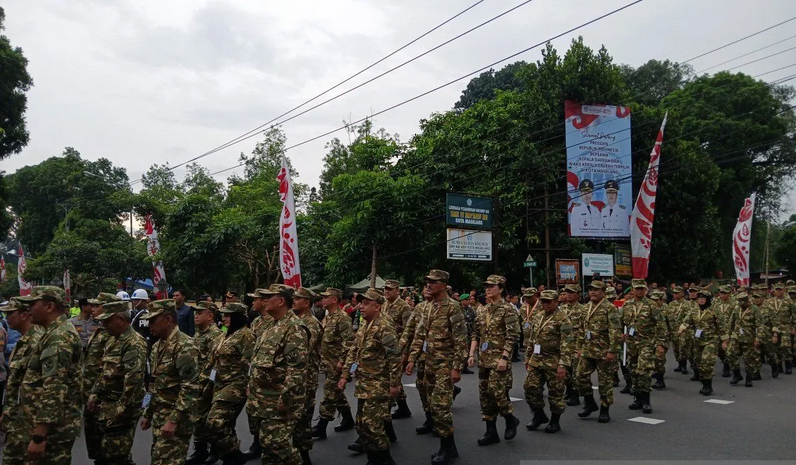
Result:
{"points": [[644, 212], [153, 248], [599, 170], [288, 243], [740, 241], [67, 286], [24, 286], [2, 269]]}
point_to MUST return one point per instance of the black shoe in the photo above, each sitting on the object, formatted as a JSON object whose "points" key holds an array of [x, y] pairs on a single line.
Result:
{"points": [[725, 371], [749, 378], [683, 367], [456, 391], [779, 367], [200, 454], [347, 423], [659, 383], [589, 406], [696, 375], [553, 426], [254, 451], [636, 405], [237, 458], [490, 436], [318, 431], [383, 457], [616, 379], [573, 400], [646, 407], [305, 457], [788, 368], [512, 423], [214, 456], [758, 376], [604, 416], [447, 451], [539, 418], [736, 377], [426, 427], [356, 446], [774, 370], [627, 388], [707, 387], [678, 369], [467, 371], [402, 411], [390, 431]]}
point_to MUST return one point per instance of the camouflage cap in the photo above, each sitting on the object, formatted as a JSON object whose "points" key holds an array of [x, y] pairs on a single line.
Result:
{"points": [[257, 294], [304, 293], [54, 293], [597, 284], [13, 305], [495, 279], [677, 289], [530, 292], [438, 275], [704, 293], [370, 294], [205, 305], [790, 282], [791, 289], [280, 289], [638, 283], [756, 294], [105, 297], [157, 307], [657, 295], [112, 308], [332, 291], [693, 289], [610, 293], [779, 287], [234, 307], [572, 288], [725, 289], [742, 296], [392, 284], [548, 294]]}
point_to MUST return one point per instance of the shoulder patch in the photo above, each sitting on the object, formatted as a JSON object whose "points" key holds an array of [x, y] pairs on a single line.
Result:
{"points": [[186, 367]]}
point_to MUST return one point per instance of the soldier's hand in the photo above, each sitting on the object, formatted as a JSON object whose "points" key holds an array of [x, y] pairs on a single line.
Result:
{"points": [[470, 361], [339, 366], [404, 358], [793, 331], [757, 343], [92, 405], [394, 391], [774, 339], [561, 373], [410, 367], [341, 384], [456, 376], [36, 451], [145, 424], [168, 429], [2, 425], [610, 356], [661, 351], [724, 345], [502, 364]]}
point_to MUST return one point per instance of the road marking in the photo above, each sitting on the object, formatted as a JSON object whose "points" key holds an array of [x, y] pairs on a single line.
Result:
{"points": [[719, 401], [410, 385], [595, 387], [646, 420], [514, 399]]}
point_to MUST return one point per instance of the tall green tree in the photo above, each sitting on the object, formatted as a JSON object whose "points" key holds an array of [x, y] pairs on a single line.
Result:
{"points": [[14, 82]]}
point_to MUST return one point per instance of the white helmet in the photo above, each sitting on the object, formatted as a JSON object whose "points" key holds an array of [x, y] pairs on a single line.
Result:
{"points": [[123, 295], [140, 294]]}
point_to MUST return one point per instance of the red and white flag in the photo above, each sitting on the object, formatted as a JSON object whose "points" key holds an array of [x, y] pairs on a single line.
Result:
{"points": [[2, 269], [67, 285], [741, 237], [24, 286], [288, 243], [644, 212], [153, 248]]}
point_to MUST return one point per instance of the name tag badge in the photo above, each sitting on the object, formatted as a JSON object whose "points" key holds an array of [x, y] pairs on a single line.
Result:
{"points": [[537, 349], [698, 333], [354, 367], [425, 346], [632, 331], [250, 369], [588, 335], [213, 374], [484, 346], [527, 325], [147, 400]]}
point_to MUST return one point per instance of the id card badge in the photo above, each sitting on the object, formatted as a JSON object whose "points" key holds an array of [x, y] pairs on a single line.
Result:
{"points": [[632, 331], [425, 346], [147, 400], [354, 367], [740, 331], [213, 374], [527, 325], [698, 333], [537, 349], [484, 346], [588, 335]]}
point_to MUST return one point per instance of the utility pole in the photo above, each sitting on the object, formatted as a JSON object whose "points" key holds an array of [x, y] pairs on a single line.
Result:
{"points": [[768, 236], [547, 236]]}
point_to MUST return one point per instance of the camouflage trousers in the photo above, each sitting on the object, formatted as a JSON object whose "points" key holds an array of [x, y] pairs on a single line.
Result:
{"points": [[660, 362], [687, 347], [92, 433], [751, 356], [439, 391], [675, 347], [302, 435], [220, 425], [492, 386], [370, 423], [605, 378], [334, 399], [785, 348], [705, 355], [420, 384], [169, 451], [534, 384], [201, 408], [117, 442], [16, 446], [275, 440], [641, 363]]}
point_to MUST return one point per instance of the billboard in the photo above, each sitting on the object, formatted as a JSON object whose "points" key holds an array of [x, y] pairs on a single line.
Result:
{"points": [[467, 211], [466, 244], [599, 170], [623, 260], [598, 263], [567, 271]]}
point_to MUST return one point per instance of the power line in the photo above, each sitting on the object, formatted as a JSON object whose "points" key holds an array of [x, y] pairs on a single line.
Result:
{"points": [[740, 40], [749, 53], [761, 59], [775, 70]]}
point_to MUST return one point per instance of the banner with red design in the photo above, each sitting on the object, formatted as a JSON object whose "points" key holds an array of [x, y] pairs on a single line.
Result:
{"points": [[599, 170], [24, 286], [741, 241], [644, 212], [153, 248], [288, 236], [2, 269], [67, 286]]}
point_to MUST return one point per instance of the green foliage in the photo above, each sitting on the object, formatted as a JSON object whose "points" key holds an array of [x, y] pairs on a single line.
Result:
{"points": [[784, 247], [14, 82]]}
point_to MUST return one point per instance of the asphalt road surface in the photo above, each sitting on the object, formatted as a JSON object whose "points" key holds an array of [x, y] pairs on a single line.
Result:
{"points": [[735, 423]]}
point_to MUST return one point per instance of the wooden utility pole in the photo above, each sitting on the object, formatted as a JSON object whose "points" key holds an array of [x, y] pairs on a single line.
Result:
{"points": [[373, 268], [547, 236]]}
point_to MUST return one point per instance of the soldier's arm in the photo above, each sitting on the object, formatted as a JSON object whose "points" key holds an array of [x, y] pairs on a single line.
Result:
{"points": [[567, 346], [459, 333], [188, 377], [134, 363], [346, 332], [660, 327], [418, 340], [393, 354], [408, 334], [760, 325], [56, 360], [723, 326], [247, 349], [406, 312], [295, 353], [512, 331], [352, 356], [614, 330], [152, 356]]}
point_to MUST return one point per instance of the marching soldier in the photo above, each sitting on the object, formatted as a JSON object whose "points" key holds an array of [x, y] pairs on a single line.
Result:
{"points": [[601, 338], [174, 385], [779, 307], [679, 308], [51, 382], [302, 438], [375, 361], [496, 328], [548, 359], [260, 323], [658, 298], [574, 311], [14, 421], [747, 333], [726, 307], [708, 329], [278, 377], [769, 322], [442, 336], [396, 308], [407, 338], [118, 392]]}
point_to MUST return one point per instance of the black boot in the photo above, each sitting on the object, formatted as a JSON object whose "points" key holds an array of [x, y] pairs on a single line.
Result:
{"points": [[402, 411], [646, 406], [678, 368], [628, 386], [347, 423], [356, 446], [788, 368], [447, 450], [390, 431], [774, 370], [749, 378], [456, 391], [553, 426], [758, 376], [214, 455], [512, 423], [736, 376], [616, 378], [426, 427], [779, 367], [237, 458], [318, 431], [372, 458], [466, 370], [604, 416], [254, 451], [589, 406], [636, 404], [683, 367], [539, 418], [696, 375], [659, 383], [385, 458], [200, 454], [305, 457], [490, 436], [707, 387], [725, 370], [572, 397]]}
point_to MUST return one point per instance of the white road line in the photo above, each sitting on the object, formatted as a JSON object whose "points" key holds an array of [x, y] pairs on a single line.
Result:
{"points": [[719, 401], [515, 399], [410, 385], [646, 420]]}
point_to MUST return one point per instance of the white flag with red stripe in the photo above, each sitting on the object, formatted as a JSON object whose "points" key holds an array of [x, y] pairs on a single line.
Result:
{"points": [[644, 212], [288, 236], [741, 245], [153, 248], [2, 269], [24, 286], [67, 285]]}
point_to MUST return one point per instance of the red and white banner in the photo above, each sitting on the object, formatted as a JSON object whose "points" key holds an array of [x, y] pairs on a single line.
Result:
{"points": [[2, 269], [644, 212], [24, 286], [67, 285], [153, 248], [741, 237], [288, 243]]}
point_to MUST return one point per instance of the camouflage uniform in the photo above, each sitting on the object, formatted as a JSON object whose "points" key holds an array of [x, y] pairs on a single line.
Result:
{"points": [[338, 336], [782, 312], [670, 325], [405, 344], [398, 311], [18, 426], [768, 322], [302, 436], [206, 341], [277, 384], [228, 372], [683, 344], [644, 332], [469, 319], [258, 327], [746, 328], [174, 389], [375, 361], [712, 329], [726, 310], [573, 311], [51, 382], [119, 391]]}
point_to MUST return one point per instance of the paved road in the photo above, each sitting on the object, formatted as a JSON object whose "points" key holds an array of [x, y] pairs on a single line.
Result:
{"points": [[758, 424]]}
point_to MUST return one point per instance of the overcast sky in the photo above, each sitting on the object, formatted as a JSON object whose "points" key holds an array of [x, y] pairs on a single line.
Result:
{"points": [[144, 81]]}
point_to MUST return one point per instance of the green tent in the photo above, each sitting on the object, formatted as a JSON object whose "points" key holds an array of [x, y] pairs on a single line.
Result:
{"points": [[363, 285]]}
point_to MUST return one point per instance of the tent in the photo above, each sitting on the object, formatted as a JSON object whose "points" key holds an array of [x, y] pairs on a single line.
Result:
{"points": [[363, 285]]}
